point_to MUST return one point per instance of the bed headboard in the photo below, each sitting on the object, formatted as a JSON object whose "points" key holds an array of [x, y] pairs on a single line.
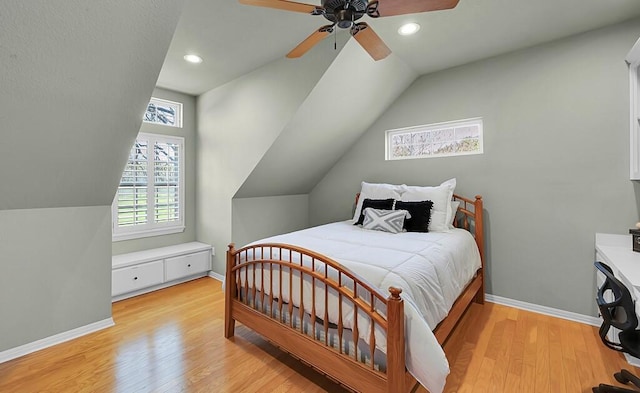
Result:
{"points": [[469, 217]]}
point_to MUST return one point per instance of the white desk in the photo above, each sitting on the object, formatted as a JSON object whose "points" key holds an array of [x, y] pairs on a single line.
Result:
{"points": [[615, 251]]}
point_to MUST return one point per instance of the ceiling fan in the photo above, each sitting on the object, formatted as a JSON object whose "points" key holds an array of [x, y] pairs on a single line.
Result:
{"points": [[345, 13]]}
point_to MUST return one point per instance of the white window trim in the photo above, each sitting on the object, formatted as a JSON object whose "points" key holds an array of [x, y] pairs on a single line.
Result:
{"points": [[154, 229], [430, 127], [178, 122]]}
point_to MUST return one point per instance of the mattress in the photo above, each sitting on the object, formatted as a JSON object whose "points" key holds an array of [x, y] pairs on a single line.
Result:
{"points": [[431, 268]]}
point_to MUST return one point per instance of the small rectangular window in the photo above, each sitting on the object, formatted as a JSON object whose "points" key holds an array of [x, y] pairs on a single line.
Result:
{"points": [[164, 112], [454, 138], [150, 198]]}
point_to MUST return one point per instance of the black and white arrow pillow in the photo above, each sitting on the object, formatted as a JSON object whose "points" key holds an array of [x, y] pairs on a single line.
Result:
{"points": [[384, 220]]}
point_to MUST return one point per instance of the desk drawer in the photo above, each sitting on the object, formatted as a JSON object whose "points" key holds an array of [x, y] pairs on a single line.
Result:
{"points": [[131, 278], [187, 265]]}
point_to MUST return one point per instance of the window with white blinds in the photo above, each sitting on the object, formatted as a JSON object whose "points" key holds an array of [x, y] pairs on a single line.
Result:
{"points": [[150, 198]]}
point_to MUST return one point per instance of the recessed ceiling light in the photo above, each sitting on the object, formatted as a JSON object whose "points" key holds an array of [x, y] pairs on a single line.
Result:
{"points": [[193, 59], [408, 29]]}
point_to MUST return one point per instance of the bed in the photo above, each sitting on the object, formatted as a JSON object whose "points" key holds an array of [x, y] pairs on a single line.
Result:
{"points": [[321, 295]]}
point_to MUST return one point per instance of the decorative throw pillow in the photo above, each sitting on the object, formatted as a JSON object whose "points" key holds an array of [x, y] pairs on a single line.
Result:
{"points": [[441, 212], [376, 191], [384, 220], [380, 204], [420, 215]]}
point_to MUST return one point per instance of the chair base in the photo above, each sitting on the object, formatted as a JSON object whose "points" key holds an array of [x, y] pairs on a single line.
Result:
{"points": [[624, 376], [604, 388]]}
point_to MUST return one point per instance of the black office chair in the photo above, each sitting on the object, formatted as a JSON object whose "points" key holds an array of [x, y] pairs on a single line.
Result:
{"points": [[621, 314]]}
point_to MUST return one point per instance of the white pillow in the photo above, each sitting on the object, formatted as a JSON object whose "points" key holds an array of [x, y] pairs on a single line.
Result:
{"points": [[384, 220], [454, 208], [376, 191], [441, 212]]}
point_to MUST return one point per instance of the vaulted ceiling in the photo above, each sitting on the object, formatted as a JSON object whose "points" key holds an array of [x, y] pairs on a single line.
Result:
{"points": [[234, 39]]}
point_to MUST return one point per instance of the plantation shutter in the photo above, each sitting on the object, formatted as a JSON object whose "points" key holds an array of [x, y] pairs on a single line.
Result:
{"points": [[166, 182], [149, 200]]}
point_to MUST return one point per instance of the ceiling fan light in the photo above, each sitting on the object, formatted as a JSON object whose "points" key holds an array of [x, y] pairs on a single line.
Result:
{"points": [[195, 59], [409, 28]]}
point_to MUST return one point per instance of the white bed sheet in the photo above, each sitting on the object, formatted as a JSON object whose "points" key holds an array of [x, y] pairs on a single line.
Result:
{"points": [[431, 268]]}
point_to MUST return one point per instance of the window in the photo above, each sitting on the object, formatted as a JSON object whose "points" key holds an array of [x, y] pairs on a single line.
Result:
{"points": [[150, 198], [454, 138], [164, 112]]}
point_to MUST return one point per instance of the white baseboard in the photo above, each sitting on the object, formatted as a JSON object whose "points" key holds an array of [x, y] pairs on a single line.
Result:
{"points": [[554, 312], [217, 276], [59, 338]]}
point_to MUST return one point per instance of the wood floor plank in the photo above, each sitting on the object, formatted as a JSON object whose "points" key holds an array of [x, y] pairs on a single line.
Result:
{"points": [[542, 356], [598, 369], [516, 355], [481, 341], [556, 374], [172, 341], [501, 367]]}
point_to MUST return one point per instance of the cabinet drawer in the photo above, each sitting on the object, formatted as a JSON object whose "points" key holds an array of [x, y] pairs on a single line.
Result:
{"points": [[187, 265], [136, 277]]}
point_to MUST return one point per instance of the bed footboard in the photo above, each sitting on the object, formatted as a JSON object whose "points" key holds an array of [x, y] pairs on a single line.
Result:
{"points": [[289, 295]]}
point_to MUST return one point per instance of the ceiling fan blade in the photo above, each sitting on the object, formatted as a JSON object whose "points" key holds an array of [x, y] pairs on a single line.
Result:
{"points": [[396, 7], [370, 41], [282, 5], [310, 41]]}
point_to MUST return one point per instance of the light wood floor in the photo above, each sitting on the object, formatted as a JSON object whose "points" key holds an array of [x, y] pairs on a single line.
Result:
{"points": [[172, 341]]}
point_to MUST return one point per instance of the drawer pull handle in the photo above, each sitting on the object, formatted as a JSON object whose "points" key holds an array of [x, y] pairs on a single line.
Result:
{"points": [[135, 278], [189, 265]]}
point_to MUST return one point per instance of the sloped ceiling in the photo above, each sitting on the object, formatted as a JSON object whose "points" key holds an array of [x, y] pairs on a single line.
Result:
{"points": [[75, 78], [348, 98]]}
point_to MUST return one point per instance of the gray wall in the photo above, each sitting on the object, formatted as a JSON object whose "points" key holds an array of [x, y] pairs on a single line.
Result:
{"points": [[55, 271], [75, 78], [555, 165], [188, 132], [257, 218]]}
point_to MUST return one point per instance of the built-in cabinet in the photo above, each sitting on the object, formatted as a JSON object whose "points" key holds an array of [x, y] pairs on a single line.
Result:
{"points": [[144, 271], [633, 59]]}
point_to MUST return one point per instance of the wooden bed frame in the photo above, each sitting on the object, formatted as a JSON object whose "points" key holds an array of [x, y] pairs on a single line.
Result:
{"points": [[247, 306]]}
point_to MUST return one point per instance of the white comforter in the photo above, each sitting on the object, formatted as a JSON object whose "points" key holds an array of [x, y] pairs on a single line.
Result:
{"points": [[431, 268]]}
